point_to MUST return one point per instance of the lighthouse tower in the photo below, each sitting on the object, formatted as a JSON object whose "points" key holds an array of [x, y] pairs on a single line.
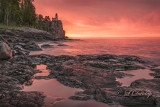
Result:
{"points": [[56, 18]]}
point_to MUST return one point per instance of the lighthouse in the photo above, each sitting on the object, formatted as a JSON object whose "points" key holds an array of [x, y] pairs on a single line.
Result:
{"points": [[56, 17]]}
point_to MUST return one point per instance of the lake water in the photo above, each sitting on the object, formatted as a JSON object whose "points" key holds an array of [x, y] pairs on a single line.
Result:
{"points": [[57, 94], [137, 74], [143, 47]]}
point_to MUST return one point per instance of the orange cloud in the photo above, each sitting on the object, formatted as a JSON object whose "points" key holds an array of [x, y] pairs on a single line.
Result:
{"points": [[105, 18]]}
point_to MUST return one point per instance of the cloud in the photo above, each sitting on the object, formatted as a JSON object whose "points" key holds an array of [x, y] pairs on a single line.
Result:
{"points": [[119, 17]]}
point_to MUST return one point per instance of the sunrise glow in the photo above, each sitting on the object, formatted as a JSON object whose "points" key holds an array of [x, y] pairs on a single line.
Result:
{"points": [[105, 18]]}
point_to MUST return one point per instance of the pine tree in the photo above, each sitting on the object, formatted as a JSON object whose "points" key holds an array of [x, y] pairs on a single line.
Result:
{"points": [[28, 12], [10, 12], [47, 23], [22, 12]]}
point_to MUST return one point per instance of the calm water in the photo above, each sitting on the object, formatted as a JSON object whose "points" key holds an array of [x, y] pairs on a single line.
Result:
{"points": [[137, 74], [57, 94], [144, 47]]}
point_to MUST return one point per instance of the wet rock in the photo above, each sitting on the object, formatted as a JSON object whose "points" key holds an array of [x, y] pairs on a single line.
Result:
{"points": [[79, 72], [37, 71], [47, 46], [32, 46], [116, 67], [124, 96], [95, 73], [153, 84], [19, 72], [62, 45], [82, 97], [23, 60], [156, 70], [99, 96], [23, 99], [44, 77], [122, 75], [5, 51], [97, 78], [126, 58], [13, 75], [156, 73], [19, 50], [6, 105]]}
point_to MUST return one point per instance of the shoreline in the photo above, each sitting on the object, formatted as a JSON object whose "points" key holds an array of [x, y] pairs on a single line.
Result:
{"points": [[96, 74]]}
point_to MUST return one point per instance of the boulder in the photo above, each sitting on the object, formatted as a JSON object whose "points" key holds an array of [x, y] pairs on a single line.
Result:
{"points": [[5, 51], [32, 46]]}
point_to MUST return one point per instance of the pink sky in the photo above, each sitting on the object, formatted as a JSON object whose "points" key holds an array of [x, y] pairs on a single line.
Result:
{"points": [[105, 18]]}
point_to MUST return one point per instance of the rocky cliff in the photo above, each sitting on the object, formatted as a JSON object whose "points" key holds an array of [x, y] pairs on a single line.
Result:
{"points": [[57, 28]]}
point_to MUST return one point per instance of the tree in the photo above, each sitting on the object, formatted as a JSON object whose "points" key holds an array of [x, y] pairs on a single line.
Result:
{"points": [[47, 23], [9, 11], [5, 8], [28, 12], [22, 12], [40, 21]]}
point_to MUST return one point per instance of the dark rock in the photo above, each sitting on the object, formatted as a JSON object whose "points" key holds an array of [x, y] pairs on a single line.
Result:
{"points": [[47, 46], [19, 50], [62, 45], [82, 98], [156, 70], [33, 34], [121, 74], [156, 75], [6, 105], [32, 46], [57, 28], [13, 75], [95, 73], [44, 77], [24, 99], [153, 84], [5, 51], [9, 32], [116, 67]]}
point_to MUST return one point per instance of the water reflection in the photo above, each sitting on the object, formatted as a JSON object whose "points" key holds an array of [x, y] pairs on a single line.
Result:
{"points": [[57, 94], [120, 46], [138, 74], [43, 69]]}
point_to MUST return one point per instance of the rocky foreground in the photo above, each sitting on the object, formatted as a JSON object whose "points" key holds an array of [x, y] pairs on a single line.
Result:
{"points": [[96, 74]]}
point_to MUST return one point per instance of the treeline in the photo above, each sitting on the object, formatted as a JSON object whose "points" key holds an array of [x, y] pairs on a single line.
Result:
{"points": [[43, 23], [22, 13]]}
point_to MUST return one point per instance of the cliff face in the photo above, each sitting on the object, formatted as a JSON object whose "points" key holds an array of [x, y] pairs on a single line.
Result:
{"points": [[57, 28]]}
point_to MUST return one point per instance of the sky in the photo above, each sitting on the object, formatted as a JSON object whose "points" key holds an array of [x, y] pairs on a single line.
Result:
{"points": [[105, 18]]}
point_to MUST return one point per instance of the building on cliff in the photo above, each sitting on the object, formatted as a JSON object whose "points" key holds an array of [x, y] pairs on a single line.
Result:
{"points": [[57, 28]]}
